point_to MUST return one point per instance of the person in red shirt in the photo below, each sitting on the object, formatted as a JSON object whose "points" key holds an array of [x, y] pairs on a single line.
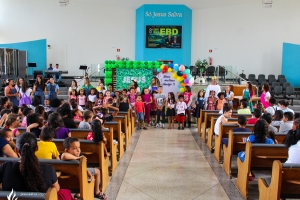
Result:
{"points": [[187, 99], [139, 111], [257, 115]]}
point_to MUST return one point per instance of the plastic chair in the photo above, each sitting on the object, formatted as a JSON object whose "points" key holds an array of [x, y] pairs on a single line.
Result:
{"points": [[271, 80], [250, 79], [282, 80], [261, 76], [290, 94], [271, 76], [261, 79], [254, 83], [278, 92], [210, 71], [284, 85], [280, 76], [251, 76]]}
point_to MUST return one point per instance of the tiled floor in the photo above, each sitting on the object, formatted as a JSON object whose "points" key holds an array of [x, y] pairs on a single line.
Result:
{"points": [[169, 164]]}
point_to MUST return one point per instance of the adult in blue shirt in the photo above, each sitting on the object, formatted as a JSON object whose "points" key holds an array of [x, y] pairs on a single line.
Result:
{"points": [[53, 89], [56, 75]]}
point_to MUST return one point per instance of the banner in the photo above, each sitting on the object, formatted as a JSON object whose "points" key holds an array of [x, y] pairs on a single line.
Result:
{"points": [[169, 84], [163, 36], [124, 77]]}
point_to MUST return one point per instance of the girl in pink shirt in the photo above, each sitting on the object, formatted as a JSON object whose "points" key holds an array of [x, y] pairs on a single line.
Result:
{"points": [[107, 96], [73, 95], [81, 99], [147, 99], [100, 99], [188, 98]]}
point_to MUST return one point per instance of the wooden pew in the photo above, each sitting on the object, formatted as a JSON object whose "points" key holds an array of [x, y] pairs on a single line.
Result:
{"points": [[116, 126], [124, 128], [81, 134], [94, 154], [51, 194], [259, 156], [236, 145], [127, 114], [73, 175], [285, 182]]}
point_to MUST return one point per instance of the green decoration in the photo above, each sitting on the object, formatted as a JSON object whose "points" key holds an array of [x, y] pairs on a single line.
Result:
{"points": [[124, 76]]}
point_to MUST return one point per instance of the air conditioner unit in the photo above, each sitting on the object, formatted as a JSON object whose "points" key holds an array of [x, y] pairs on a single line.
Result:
{"points": [[63, 2], [267, 3]]}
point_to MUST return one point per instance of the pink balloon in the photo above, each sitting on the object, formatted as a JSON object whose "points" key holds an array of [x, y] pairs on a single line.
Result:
{"points": [[182, 68], [189, 84]]}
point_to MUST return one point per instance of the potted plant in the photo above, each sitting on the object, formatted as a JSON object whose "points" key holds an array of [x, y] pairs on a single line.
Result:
{"points": [[201, 65]]}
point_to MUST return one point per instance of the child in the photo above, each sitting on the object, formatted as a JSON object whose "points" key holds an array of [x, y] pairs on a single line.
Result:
{"points": [[221, 101], [132, 97], [272, 108], [7, 134], [92, 97], [88, 105], [34, 124], [124, 105], [55, 121], [47, 103], [188, 98], [171, 109], [107, 96], [242, 122], [46, 148], [153, 109], [139, 111], [72, 152], [81, 99], [244, 108], [73, 95], [87, 118], [161, 102], [77, 115], [287, 124], [200, 101], [180, 108], [257, 115], [211, 101], [26, 112], [147, 99], [99, 101], [154, 84], [25, 92]]}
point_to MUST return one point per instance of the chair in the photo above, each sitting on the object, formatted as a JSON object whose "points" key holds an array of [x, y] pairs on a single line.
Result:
{"points": [[251, 79], [271, 76], [278, 92], [210, 71], [261, 79], [243, 76], [290, 94], [280, 76], [271, 80], [261, 76], [254, 83], [282, 80], [251, 76], [220, 70], [284, 85]]}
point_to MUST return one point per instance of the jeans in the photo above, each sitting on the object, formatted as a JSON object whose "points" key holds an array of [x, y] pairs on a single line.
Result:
{"points": [[162, 113], [56, 76]]}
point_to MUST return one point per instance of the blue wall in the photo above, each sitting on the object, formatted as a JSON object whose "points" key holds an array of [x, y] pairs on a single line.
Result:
{"points": [[36, 52], [291, 63], [180, 56]]}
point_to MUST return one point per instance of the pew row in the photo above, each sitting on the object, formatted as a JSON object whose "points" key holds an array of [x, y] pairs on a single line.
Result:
{"points": [[51, 194], [284, 183], [258, 156]]}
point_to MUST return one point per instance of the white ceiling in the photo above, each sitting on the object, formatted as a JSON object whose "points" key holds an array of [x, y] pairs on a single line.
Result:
{"points": [[193, 4]]}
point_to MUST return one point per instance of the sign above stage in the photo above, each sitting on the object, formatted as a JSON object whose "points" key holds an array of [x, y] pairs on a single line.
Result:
{"points": [[162, 14]]}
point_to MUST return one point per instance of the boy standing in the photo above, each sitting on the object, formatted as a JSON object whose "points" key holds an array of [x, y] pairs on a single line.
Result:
{"points": [[87, 118], [161, 102], [72, 152], [180, 108], [46, 148], [140, 110]]}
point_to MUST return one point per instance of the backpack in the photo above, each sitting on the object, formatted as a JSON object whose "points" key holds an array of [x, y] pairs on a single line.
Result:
{"points": [[25, 100]]}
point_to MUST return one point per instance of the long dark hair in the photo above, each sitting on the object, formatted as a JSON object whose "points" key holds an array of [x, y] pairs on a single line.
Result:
{"points": [[97, 131], [55, 120], [172, 97], [260, 131], [29, 165], [40, 85], [250, 87], [18, 81], [292, 137], [24, 86], [65, 110]]}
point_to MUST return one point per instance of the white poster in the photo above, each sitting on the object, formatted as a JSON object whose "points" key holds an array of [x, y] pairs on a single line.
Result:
{"points": [[169, 84]]}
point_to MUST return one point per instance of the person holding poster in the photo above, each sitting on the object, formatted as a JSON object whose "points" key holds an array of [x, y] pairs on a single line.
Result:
{"points": [[213, 86], [154, 84]]}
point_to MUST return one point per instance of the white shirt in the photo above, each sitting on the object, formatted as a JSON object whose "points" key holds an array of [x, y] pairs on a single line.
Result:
{"points": [[55, 69], [271, 109], [79, 108], [28, 92], [294, 152], [92, 98], [267, 96], [217, 124], [215, 88], [181, 107]]}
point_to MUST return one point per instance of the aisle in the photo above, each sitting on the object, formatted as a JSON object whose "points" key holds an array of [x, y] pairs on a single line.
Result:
{"points": [[167, 164]]}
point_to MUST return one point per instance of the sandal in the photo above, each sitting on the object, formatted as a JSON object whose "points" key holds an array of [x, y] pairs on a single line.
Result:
{"points": [[77, 197], [101, 196]]}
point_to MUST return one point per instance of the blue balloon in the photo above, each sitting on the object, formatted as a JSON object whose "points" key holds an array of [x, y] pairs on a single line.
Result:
{"points": [[179, 86], [187, 71], [176, 68], [179, 73], [158, 70], [171, 65], [189, 76]]}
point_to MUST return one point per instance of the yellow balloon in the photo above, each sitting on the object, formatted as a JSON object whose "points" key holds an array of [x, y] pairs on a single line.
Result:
{"points": [[161, 66], [181, 89], [169, 69], [174, 75], [178, 79]]}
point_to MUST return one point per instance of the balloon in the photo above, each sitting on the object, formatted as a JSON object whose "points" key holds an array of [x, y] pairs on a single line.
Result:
{"points": [[184, 76], [158, 70], [162, 67], [179, 79], [138, 62], [176, 68], [165, 67], [175, 65], [171, 65], [179, 73], [174, 75], [146, 63], [186, 81], [170, 70], [189, 84], [189, 76], [182, 84], [181, 89], [182, 68], [187, 71]]}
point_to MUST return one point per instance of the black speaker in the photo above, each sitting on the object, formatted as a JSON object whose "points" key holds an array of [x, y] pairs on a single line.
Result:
{"points": [[37, 72]]}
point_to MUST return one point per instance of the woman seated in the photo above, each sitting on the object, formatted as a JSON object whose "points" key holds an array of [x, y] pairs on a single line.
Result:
{"points": [[55, 121]]}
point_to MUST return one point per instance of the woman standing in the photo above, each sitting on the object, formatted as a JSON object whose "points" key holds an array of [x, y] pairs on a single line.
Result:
{"points": [[87, 86], [11, 92], [19, 82], [73, 86], [101, 87], [229, 95], [136, 86], [265, 96], [39, 88], [248, 94]]}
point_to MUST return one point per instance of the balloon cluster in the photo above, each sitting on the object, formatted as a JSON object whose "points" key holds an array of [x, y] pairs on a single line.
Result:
{"points": [[181, 73], [114, 64]]}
